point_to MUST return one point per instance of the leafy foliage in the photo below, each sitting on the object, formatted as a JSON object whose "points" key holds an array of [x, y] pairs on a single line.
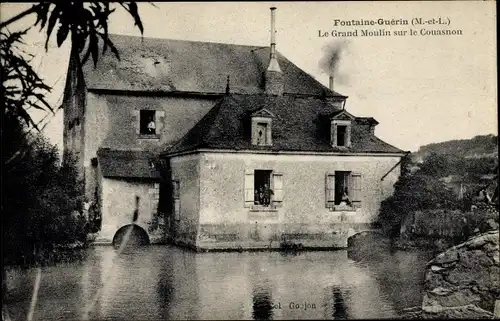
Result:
{"points": [[22, 88], [432, 186], [41, 196], [418, 191], [85, 21]]}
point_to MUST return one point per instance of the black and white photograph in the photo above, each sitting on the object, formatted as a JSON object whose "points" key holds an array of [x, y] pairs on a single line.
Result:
{"points": [[249, 160]]}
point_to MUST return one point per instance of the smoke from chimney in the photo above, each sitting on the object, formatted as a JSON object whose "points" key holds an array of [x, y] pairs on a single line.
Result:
{"points": [[330, 61]]}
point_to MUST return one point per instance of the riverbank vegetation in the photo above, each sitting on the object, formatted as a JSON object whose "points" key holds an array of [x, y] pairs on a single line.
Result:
{"points": [[444, 199], [42, 199], [42, 196]]}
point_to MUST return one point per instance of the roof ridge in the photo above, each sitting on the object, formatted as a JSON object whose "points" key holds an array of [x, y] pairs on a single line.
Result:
{"points": [[256, 47]]}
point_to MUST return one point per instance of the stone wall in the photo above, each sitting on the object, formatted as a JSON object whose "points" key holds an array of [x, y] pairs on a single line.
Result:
{"points": [[464, 281]]}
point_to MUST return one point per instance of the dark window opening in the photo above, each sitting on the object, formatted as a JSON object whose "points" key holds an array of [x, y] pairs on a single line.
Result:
{"points": [[342, 191], [261, 133], [147, 122], [341, 135], [262, 187]]}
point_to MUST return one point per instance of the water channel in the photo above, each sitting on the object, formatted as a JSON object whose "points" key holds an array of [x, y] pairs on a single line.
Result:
{"points": [[166, 282]]}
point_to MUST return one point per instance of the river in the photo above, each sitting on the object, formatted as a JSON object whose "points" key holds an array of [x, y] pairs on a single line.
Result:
{"points": [[166, 282]]}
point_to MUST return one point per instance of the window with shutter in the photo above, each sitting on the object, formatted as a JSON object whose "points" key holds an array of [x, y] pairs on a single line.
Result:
{"points": [[249, 188], [263, 189], [343, 191], [277, 189], [356, 189]]}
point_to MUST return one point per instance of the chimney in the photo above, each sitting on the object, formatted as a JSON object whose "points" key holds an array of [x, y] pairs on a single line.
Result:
{"points": [[331, 83], [274, 77]]}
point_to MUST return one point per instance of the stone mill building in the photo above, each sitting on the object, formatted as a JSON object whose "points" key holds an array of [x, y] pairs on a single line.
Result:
{"points": [[221, 146]]}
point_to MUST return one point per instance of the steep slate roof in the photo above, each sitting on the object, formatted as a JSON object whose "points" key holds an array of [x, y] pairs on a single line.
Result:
{"points": [[126, 164], [166, 65], [301, 124]]}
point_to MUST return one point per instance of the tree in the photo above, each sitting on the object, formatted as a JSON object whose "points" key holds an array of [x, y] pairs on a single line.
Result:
{"points": [[40, 193], [417, 191]]}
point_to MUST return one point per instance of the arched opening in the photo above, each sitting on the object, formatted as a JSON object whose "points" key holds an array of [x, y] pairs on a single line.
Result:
{"points": [[131, 235], [364, 237]]}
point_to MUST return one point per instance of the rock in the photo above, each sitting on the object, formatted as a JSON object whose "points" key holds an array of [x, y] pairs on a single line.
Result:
{"points": [[446, 257], [441, 291], [492, 224], [465, 312], [464, 280], [496, 312], [459, 298], [436, 268], [476, 242]]}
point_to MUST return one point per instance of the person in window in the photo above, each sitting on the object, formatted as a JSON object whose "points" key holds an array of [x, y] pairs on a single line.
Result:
{"points": [[345, 201], [260, 195], [151, 127], [267, 192]]}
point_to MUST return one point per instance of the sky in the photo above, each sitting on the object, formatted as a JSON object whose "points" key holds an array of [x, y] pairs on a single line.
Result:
{"points": [[421, 89]]}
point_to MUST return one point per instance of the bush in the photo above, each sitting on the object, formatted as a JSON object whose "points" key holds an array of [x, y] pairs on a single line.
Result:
{"points": [[40, 194], [413, 193], [419, 190]]}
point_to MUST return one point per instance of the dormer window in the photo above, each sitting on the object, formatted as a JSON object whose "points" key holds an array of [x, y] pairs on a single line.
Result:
{"points": [[261, 127], [340, 130], [341, 133]]}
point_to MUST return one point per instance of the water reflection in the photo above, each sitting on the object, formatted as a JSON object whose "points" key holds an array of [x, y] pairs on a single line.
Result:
{"points": [[262, 304], [336, 303], [163, 282]]}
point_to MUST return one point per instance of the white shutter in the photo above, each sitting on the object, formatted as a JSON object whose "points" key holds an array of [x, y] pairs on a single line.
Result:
{"points": [[278, 189], [249, 188], [330, 189], [356, 194]]}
